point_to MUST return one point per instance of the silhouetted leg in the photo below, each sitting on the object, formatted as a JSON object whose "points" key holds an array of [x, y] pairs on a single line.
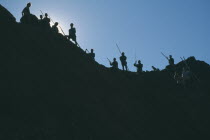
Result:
{"points": [[74, 38], [76, 42]]}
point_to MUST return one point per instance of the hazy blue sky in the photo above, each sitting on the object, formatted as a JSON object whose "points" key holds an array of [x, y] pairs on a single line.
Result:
{"points": [[177, 27]]}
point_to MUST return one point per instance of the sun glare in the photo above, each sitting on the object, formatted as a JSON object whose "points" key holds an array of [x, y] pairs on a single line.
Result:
{"points": [[64, 25], [60, 29]]}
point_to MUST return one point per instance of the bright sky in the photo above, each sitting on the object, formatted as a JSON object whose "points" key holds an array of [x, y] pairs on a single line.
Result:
{"points": [[147, 27]]}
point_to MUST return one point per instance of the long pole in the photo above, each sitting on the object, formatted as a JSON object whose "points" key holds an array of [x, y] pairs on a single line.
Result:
{"points": [[109, 60], [87, 50], [118, 49], [164, 56], [54, 23], [135, 56], [78, 45], [58, 26], [51, 20], [183, 59], [62, 30], [42, 13]]}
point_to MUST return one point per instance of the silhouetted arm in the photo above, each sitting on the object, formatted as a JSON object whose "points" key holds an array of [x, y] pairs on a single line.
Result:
{"points": [[23, 12]]}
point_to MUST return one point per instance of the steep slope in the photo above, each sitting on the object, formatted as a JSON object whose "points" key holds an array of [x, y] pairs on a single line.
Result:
{"points": [[50, 89], [5, 16]]}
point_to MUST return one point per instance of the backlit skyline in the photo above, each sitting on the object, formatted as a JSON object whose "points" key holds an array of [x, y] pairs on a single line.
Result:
{"points": [[141, 27]]}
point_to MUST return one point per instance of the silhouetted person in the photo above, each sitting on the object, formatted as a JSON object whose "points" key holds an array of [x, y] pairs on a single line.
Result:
{"points": [[46, 21], [55, 28], [41, 20], [139, 66], [171, 60], [41, 17], [72, 33], [114, 64], [123, 59], [92, 54], [171, 66], [155, 69], [26, 10], [26, 13]]}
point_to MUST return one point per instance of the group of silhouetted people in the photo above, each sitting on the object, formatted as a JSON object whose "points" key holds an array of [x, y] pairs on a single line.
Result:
{"points": [[28, 18], [123, 60], [184, 78], [44, 21]]}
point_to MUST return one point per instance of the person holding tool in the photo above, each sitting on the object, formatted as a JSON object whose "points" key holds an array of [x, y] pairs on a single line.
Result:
{"points": [[123, 60], [171, 65], [138, 66], [114, 64]]}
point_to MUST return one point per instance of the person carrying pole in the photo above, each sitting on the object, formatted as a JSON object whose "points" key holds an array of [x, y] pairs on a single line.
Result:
{"points": [[139, 66], [170, 59], [114, 64], [171, 65], [123, 60]]}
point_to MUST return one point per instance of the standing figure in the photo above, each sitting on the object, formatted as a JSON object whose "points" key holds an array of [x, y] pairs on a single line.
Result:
{"points": [[123, 59], [26, 14], [139, 67], [41, 17], [41, 20], [26, 10], [72, 33], [46, 21]]}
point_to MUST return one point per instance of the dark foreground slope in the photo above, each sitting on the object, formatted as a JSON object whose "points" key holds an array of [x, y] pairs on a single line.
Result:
{"points": [[51, 90]]}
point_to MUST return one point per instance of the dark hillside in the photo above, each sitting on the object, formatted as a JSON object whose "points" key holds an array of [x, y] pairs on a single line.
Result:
{"points": [[51, 90], [5, 16]]}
